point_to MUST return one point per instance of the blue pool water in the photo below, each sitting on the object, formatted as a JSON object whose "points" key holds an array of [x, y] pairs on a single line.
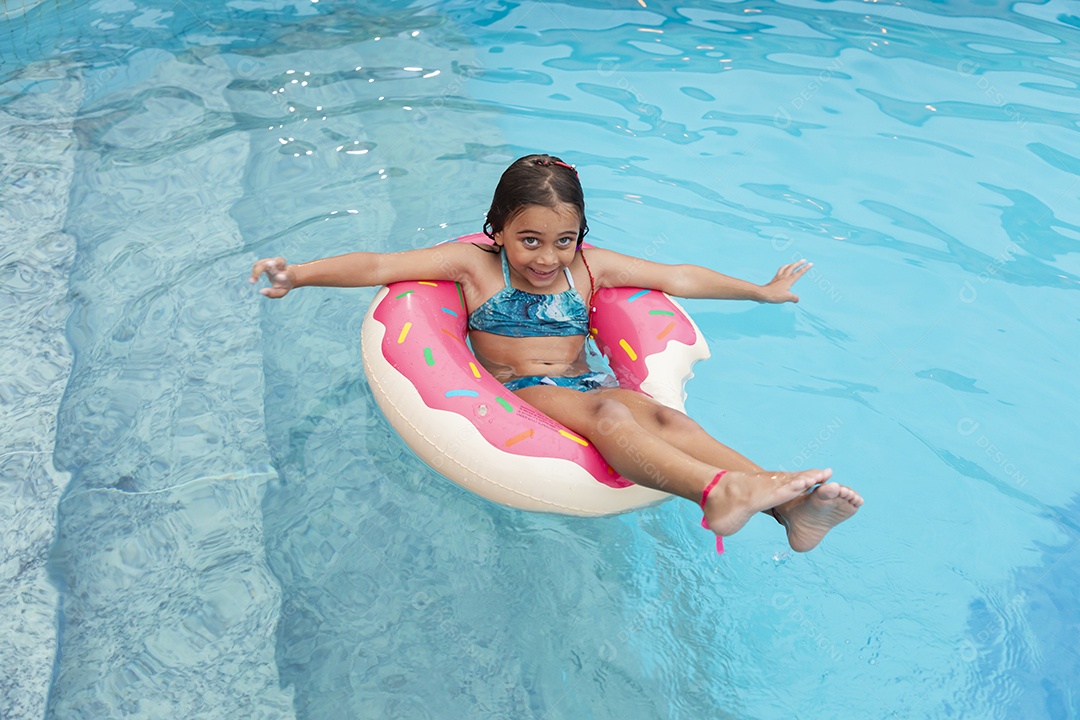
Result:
{"points": [[205, 514]]}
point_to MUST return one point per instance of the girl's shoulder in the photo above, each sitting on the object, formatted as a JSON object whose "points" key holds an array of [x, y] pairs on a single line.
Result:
{"points": [[479, 258], [460, 262], [614, 269], [465, 257], [605, 262], [476, 267]]}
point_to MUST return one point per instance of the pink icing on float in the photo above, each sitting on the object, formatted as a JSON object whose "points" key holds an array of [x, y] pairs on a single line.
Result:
{"points": [[464, 424]]}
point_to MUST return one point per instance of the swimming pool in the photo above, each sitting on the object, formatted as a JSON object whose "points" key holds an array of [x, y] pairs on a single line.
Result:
{"points": [[205, 515]]}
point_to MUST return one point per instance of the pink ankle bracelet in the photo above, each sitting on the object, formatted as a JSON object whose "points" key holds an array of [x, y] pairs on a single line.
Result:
{"points": [[704, 521]]}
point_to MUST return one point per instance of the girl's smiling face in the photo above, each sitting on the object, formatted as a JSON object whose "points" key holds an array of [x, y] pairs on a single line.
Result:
{"points": [[540, 241]]}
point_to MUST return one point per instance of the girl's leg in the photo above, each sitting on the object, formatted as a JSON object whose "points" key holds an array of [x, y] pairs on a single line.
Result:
{"points": [[807, 517], [645, 457], [680, 430], [632, 431]]}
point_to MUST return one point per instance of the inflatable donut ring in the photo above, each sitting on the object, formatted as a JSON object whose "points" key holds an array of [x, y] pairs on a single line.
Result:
{"points": [[465, 425]]}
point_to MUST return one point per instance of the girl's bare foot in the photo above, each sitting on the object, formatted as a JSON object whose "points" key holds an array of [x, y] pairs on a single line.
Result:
{"points": [[809, 517], [740, 495]]}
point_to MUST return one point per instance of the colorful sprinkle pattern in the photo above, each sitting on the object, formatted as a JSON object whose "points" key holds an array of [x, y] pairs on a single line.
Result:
{"points": [[629, 324]]}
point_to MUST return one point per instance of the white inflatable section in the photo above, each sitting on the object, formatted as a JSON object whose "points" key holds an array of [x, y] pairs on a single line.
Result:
{"points": [[670, 370]]}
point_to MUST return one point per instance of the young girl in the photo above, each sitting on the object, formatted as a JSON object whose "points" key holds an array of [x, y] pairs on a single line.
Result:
{"points": [[528, 326]]}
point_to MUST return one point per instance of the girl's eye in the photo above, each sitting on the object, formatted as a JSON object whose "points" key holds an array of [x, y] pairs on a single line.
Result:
{"points": [[530, 242], [564, 242]]}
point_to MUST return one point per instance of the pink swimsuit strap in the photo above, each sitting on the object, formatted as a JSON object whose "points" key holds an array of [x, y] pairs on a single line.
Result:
{"points": [[704, 521]]}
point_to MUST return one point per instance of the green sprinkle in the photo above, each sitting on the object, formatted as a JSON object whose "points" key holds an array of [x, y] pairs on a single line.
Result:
{"points": [[506, 406], [461, 295], [428, 358], [407, 292], [661, 312]]}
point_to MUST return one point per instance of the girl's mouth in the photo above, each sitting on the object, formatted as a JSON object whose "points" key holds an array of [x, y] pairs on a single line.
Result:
{"points": [[544, 275]]}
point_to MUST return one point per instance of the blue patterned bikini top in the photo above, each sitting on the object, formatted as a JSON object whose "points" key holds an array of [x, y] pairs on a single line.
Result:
{"points": [[516, 313]]}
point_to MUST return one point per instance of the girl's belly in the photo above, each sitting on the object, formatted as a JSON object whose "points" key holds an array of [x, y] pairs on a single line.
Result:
{"points": [[507, 358]]}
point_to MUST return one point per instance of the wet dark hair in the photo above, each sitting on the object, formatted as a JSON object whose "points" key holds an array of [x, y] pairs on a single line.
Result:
{"points": [[535, 180]]}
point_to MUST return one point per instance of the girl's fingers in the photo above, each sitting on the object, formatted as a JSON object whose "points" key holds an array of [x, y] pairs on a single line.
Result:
{"points": [[267, 265], [276, 273], [796, 268], [258, 269], [274, 292]]}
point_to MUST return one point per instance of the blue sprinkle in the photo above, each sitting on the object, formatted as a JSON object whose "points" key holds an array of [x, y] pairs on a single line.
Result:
{"points": [[462, 393], [636, 295], [448, 310]]}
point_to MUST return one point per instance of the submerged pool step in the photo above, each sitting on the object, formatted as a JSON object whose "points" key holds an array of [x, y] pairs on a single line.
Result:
{"points": [[37, 156], [168, 606]]}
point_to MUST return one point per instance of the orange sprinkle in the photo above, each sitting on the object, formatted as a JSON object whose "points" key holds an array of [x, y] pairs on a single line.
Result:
{"points": [[454, 335], [669, 328], [425, 282], [519, 437]]}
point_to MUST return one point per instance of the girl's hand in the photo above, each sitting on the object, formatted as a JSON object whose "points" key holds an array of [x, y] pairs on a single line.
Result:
{"points": [[778, 290], [278, 273]]}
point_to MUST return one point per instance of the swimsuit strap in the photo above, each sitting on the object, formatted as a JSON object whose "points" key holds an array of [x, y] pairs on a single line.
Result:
{"points": [[704, 521], [569, 278], [506, 268], [592, 283]]}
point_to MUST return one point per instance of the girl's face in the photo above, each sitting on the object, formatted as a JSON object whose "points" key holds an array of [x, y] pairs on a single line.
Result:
{"points": [[540, 241]]}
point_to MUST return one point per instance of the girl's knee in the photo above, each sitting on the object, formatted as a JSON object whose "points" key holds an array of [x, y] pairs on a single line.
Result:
{"points": [[650, 413], [670, 419], [607, 414]]}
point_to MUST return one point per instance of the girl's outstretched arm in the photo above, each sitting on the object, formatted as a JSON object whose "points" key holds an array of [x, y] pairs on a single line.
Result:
{"points": [[612, 269], [451, 261]]}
